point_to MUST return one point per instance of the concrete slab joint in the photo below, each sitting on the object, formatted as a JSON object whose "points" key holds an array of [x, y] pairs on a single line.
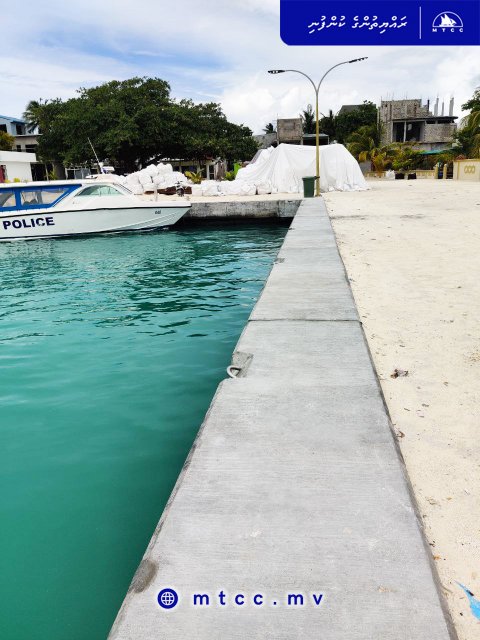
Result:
{"points": [[294, 484]]}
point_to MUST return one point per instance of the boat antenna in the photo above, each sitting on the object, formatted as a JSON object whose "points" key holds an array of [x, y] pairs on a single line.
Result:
{"points": [[95, 154]]}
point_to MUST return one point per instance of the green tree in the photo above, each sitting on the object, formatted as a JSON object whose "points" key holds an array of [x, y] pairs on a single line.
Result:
{"points": [[6, 141], [365, 138], [134, 122], [269, 128], [328, 125], [364, 144], [348, 123], [467, 138], [474, 103], [308, 120], [407, 158]]}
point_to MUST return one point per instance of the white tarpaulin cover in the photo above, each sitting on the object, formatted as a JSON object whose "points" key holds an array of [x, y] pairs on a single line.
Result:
{"points": [[284, 167]]}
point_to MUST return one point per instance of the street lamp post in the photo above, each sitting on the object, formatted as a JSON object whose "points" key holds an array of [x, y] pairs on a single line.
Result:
{"points": [[317, 124]]}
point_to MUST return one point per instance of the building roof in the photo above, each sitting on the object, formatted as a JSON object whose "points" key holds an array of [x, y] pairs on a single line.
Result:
{"points": [[421, 118], [13, 119], [348, 108], [314, 135]]}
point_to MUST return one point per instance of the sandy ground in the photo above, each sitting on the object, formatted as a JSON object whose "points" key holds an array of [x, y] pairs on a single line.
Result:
{"points": [[412, 253]]}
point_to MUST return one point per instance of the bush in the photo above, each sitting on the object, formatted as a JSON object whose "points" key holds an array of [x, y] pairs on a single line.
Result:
{"points": [[196, 178]]}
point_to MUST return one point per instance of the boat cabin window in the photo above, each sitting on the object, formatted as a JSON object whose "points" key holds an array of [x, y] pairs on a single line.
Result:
{"points": [[33, 197], [7, 198], [99, 190]]}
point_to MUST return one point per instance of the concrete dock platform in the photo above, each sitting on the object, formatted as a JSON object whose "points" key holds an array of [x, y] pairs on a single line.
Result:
{"points": [[294, 487]]}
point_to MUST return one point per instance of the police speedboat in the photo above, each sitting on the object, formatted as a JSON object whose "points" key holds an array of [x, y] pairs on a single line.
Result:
{"points": [[69, 208]]}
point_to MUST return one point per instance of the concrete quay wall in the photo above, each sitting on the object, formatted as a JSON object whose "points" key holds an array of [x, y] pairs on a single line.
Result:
{"points": [[244, 209], [294, 484]]}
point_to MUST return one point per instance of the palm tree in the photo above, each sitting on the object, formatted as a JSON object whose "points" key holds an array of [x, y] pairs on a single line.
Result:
{"points": [[269, 128], [364, 144], [33, 114], [328, 125], [308, 119], [468, 137]]}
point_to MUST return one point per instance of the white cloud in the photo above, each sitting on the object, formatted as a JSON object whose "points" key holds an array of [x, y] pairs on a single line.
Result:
{"points": [[213, 51]]}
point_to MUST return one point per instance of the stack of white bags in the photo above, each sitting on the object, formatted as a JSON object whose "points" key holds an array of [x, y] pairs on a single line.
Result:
{"points": [[153, 177]]}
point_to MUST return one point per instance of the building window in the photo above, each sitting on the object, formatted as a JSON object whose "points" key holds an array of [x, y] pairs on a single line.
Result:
{"points": [[19, 129], [3, 127], [19, 147], [30, 148]]}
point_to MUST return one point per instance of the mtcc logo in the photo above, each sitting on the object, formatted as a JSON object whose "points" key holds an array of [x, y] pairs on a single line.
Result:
{"points": [[447, 21], [469, 168]]}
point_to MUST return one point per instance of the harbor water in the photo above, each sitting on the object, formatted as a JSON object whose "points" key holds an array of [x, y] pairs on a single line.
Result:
{"points": [[110, 351]]}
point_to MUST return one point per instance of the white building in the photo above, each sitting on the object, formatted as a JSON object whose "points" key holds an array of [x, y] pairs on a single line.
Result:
{"points": [[26, 138], [16, 165]]}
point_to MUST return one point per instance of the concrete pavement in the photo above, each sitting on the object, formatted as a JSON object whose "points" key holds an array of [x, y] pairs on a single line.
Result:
{"points": [[294, 486]]}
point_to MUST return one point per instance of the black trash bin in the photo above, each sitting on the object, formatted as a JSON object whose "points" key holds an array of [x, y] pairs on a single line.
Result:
{"points": [[309, 186]]}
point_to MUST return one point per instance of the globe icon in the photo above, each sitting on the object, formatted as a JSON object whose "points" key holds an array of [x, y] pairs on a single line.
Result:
{"points": [[167, 598]]}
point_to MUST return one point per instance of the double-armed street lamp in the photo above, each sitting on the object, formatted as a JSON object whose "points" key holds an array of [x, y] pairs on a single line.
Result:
{"points": [[317, 125]]}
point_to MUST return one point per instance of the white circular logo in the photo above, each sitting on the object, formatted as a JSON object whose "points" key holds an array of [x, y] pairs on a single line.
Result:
{"points": [[447, 21]]}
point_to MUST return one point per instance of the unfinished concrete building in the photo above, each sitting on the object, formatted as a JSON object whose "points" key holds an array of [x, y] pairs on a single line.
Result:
{"points": [[410, 121]]}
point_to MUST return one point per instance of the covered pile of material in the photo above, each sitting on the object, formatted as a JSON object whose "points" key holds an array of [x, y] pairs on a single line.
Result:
{"points": [[282, 168], [275, 170]]}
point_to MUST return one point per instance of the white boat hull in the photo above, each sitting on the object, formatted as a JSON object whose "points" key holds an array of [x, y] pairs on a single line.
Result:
{"points": [[53, 223]]}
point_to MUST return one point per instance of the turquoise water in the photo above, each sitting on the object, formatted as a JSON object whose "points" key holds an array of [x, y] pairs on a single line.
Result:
{"points": [[110, 351]]}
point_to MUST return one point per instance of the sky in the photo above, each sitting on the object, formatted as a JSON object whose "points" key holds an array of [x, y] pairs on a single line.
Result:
{"points": [[211, 50]]}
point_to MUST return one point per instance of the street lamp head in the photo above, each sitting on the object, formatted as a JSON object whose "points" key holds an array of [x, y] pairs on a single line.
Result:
{"points": [[276, 71], [357, 60]]}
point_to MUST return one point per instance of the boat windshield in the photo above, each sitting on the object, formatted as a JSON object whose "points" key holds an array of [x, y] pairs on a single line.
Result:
{"points": [[99, 190]]}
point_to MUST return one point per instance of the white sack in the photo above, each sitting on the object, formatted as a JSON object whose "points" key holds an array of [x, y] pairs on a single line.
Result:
{"points": [[163, 169], [151, 170], [263, 188], [132, 178], [230, 188], [247, 189], [173, 177], [209, 188]]}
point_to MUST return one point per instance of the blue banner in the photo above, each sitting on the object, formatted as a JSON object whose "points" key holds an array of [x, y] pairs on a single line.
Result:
{"points": [[391, 22]]}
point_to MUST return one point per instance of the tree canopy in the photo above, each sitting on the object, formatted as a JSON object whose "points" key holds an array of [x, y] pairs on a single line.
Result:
{"points": [[6, 141], [474, 103], [348, 123], [133, 122], [308, 120], [341, 126], [328, 125], [468, 136]]}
